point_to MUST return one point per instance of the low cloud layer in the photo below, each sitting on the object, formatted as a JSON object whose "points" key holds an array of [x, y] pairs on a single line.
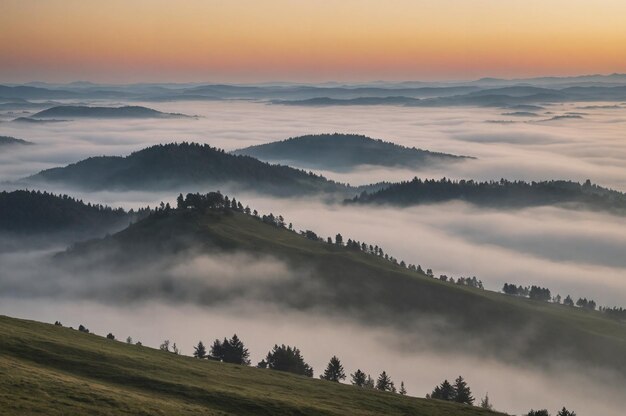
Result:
{"points": [[572, 252]]}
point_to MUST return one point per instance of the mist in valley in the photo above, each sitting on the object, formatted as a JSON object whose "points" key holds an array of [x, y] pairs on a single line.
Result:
{"points": [[570, 251]]}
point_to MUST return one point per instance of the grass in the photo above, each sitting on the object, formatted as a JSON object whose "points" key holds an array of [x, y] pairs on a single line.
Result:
{"points": [[50, 370]]}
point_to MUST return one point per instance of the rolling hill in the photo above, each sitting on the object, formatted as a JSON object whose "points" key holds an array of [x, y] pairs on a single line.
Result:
{"points": [[355, 283], [184, 165], [340, 152], [10, 141], [52, 370], [79, 111], [502, 194]]}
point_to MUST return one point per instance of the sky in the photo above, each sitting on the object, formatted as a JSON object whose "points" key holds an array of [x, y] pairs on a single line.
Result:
{"points": [[122, 41]]}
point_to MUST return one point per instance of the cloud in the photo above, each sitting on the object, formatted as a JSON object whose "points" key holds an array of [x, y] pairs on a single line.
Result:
{"points": [[571, 252]]}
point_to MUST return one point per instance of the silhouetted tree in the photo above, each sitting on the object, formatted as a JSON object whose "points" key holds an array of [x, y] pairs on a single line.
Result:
{"points": [[58, 323], [402, 389], [165, 346], [286, 358], [568, 301], [334, 370], [358, 378], [129, 340], [230, 351], [384, 383], [565, 412], [542, 412], [485, 403], [199, 350], [110, 336], [444, 391], [81, 328], [462, 392], [339, 240]]}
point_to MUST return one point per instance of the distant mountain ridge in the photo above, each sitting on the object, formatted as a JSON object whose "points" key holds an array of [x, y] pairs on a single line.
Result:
{"points": [[339, 152]]}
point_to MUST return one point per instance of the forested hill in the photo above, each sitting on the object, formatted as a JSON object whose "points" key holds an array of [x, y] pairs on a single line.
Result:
{"points": [[342, 277], [339, 152], [81, 111], [172, 166], [7, 141], [502, 193], [33, 212]]}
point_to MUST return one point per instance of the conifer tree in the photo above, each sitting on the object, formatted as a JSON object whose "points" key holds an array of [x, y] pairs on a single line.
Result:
{"points": [[358, 378], [384, 383], [402, 389], [199, 350], [485, 403], [334, 371], [462, 392]]}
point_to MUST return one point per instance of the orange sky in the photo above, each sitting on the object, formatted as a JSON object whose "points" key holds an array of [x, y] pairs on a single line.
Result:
{"points": [[307, 40]]}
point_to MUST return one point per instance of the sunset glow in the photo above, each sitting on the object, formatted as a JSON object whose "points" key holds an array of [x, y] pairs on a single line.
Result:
{"points": [[249, 41]]}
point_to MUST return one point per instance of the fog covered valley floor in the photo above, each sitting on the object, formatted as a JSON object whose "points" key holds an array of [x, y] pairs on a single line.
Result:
{"points": [[199, 279]]}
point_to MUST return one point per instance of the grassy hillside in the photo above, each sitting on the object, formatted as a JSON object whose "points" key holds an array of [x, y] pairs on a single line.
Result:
{"points": [[343, 151], [50, 370], [365, 287], [173, 166]]}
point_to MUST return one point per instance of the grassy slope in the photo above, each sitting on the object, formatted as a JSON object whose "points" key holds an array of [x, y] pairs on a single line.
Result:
{"points": [[364, 285], [49, 370]]}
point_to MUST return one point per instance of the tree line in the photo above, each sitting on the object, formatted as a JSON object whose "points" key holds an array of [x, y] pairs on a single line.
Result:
{"points": [[501, 193], [543, 294], [290, 359]]}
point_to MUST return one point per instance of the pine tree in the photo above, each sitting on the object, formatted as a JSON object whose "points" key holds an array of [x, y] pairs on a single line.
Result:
{"points": [[286, 358], [485, 403], [334, 371], [402, 388], [110, 336], [236, 352], [462, 392], [369, 383], [384, 382], [199, 350], [444, 391], [129, 340], [565, 412], [230, 351], [542, 412], [358, 378]]}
